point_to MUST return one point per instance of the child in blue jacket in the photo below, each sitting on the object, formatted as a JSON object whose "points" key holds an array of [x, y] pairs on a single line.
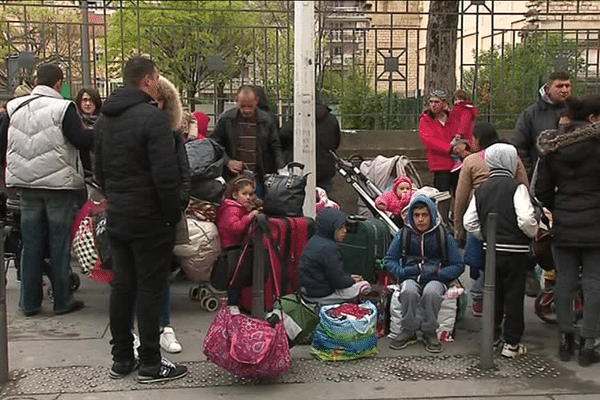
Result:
{"points": [[424, 272], [323, 279]]}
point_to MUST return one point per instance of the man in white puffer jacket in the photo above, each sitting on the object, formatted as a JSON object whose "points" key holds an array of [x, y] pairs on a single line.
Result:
{"points": [[44, 137]]}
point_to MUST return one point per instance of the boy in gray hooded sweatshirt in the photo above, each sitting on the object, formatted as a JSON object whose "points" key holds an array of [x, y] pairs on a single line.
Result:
{"points": [[516, 225]]}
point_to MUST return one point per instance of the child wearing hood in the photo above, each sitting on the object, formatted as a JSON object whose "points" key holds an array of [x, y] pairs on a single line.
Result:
{"points": [[424, 272], [516, 225], [322, 277], [396, 199], [461, 123]]}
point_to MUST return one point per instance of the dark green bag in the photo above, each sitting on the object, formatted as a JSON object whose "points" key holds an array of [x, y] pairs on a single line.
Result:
{"points": [[302, 313]]}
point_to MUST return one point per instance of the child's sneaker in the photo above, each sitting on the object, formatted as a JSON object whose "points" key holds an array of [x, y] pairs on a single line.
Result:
{"points": [[167, 371], [513, 350], [432, 343], [403, 340]]}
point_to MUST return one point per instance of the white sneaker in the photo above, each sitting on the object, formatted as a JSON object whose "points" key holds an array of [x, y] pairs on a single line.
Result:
{"points": [[136, 344], [168, 341], [513, 351]]}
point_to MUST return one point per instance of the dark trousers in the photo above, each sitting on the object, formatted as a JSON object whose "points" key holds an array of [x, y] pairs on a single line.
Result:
{"points": [[445, 181], [510, 291], [141, 270], [568, 260]]}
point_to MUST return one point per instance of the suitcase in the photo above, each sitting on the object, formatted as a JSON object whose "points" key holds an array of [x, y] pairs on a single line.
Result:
{"points": [[364, 250], [290, 235]]}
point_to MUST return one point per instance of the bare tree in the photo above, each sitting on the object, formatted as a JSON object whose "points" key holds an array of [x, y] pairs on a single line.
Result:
{"points": [[440, 72]]}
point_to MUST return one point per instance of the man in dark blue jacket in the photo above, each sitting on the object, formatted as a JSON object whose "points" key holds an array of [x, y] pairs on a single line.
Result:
{"points": [[416, 258], [322, 276]]}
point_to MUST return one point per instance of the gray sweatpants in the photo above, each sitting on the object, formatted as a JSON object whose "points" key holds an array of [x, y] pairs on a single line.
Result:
{"points": [[421, 305], [342, 295]]}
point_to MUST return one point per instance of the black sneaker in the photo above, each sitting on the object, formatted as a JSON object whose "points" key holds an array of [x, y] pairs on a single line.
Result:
{"points": [[166, 372], [432, 343], [403, 340], [122, 369]]}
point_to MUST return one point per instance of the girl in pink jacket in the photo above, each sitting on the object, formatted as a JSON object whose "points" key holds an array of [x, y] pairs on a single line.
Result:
{"points": [[236, 212], [396, 199]]}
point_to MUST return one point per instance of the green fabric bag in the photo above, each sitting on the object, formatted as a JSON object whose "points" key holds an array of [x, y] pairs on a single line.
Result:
{"points": [[302, 314]]}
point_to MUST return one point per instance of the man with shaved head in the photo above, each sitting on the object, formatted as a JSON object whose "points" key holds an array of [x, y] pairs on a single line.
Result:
{"points": [[249, 137]]}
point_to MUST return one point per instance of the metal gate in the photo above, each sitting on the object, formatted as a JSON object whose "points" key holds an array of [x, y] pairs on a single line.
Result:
{"points": [[370, 55]]}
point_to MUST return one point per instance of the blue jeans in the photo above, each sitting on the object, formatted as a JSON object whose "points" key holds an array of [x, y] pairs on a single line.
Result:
{"points": [[165, 306], [46, 219]]}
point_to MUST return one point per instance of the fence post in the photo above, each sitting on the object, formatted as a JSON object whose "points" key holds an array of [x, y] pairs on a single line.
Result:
{"points": [[3, 319], [487, 321]]}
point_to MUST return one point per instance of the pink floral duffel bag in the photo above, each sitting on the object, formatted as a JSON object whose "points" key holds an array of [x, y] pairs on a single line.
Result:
{"points": [[247, 347]]}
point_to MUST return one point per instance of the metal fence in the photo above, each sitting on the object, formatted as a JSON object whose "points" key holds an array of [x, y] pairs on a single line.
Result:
{"points": [[370, 55]]}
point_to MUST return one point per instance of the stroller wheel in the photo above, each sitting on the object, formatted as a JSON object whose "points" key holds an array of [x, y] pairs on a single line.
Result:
{"points": [[204, 292], [194, 293], [75, 281], [544, 306], [211, 304]]}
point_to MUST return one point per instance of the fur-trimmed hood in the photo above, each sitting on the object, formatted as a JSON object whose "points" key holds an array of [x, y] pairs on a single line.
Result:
{"points": [[551, 140], [173, 106]]}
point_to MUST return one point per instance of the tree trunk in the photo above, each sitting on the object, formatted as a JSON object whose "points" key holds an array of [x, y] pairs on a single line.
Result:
{"points": [[440, 72]]}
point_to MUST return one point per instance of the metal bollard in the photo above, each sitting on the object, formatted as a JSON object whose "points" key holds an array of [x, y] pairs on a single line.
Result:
{"points": [[487, 320], [3, 319]]}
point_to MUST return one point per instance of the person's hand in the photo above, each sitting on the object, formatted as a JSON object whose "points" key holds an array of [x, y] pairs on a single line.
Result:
{"points": [[254, 213], [464, 154], [235, 166], [357, 278], [382, 206], [459, 149]]}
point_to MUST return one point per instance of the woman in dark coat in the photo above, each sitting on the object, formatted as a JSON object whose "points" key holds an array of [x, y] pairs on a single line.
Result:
{"points": [[568, 184]]}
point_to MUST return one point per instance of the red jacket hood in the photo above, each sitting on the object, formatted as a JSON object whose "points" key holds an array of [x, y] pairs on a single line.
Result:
{"points": [[468, 106]]}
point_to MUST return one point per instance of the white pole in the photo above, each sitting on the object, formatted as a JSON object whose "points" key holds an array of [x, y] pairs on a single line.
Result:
{"points": [[304, 96]]}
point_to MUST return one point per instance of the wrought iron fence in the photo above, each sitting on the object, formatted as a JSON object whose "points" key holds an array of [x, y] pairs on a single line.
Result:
{"points": [[370, 55]]}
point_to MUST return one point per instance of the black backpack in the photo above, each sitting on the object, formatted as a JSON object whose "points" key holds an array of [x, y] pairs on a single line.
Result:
{"points": [[441, 235]]}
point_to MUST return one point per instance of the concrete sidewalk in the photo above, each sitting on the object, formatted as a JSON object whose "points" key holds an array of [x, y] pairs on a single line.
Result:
{"points": [[68, 357]]}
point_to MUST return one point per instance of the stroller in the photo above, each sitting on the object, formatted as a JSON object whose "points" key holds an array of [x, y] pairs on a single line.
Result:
{"points": [[369, 185], [13, 243]]}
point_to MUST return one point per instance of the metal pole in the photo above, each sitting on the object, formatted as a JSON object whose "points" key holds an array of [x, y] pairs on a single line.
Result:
{"points": [[3, 319], [304, 97], [488, 324], [85, 45], [259, 262]]}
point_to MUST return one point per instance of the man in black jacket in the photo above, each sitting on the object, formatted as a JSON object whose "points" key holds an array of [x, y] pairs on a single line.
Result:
{"points": [[249, 136], [541, 115], [328, 136], [136, 165]]}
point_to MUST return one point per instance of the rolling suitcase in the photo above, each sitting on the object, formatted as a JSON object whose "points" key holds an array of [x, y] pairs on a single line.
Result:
{"points": [[363, 251], [284, 240]]}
